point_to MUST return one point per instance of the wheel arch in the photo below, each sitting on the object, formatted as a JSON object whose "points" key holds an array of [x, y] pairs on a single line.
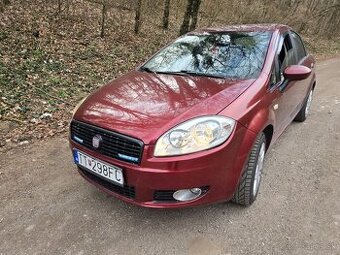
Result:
{"points": [[263, 121], [248, 142], [314, 85]]}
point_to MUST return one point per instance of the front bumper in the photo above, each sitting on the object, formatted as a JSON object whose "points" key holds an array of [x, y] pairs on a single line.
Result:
{"points": [[216, 170]]}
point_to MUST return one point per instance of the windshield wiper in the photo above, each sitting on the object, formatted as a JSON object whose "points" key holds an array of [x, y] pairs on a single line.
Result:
{"points": [[201, 74], [147, 69], [181, 72]]}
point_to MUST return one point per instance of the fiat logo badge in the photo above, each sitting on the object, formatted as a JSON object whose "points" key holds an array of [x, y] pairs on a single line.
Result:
{"points": [[96, 140]]}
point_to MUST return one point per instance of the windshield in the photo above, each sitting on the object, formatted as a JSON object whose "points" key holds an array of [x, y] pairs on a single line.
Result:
{"points": [[234, 55]]}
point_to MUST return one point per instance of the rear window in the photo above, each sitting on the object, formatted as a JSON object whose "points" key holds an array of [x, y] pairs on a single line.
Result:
{"points": [[234, 55]]}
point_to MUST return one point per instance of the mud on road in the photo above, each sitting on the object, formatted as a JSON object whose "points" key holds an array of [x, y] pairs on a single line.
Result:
{"points": [[47, 208]]}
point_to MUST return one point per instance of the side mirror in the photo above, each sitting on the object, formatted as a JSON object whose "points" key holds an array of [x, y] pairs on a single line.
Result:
{"points": [[296, 72]]}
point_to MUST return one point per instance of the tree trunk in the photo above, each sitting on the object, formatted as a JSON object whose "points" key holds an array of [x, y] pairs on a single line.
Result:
{"points": [[67, 8], [59, 6], [3, 3], [104, 13], [186, 20], [194, 14], [166, 14], [137, 16]]}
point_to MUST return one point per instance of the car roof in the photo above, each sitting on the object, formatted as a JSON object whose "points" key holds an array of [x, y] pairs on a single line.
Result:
{"points": [[244, 28]]}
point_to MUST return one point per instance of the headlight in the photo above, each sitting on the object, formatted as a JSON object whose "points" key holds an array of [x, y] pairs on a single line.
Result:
{"points": [[77, 106], [195, 135]]}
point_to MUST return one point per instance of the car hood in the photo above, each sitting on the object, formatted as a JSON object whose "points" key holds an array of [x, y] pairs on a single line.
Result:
{"points": [[145, 105]]}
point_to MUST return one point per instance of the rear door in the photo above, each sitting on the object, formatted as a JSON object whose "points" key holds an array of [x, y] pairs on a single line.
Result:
{"points": [[302, 58]]}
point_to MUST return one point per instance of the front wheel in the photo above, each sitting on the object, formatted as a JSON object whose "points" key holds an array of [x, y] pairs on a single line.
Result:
{"points": [[249, 184]]}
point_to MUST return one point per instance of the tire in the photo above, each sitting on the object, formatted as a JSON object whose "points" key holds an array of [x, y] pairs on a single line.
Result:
{"points": [[249, 184], [304, 111]]}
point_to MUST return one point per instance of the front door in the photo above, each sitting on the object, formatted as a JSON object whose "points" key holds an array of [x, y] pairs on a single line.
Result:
{"points": [[289, 94]]}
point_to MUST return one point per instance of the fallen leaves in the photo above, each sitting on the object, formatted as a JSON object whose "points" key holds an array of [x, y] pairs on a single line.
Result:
{"points": [[49, 62]]}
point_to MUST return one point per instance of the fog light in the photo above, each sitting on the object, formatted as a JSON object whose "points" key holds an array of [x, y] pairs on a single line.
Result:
{"points": [[187, 194]]}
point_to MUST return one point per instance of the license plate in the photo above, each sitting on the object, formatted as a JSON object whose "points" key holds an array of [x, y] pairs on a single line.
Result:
{"points": [[109, 172]]}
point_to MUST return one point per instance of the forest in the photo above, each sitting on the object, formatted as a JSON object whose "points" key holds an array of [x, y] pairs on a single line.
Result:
{"points": [[54, 52]]}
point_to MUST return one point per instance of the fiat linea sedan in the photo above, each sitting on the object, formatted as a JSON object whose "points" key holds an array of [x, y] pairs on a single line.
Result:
{"points": [[192, 125]]}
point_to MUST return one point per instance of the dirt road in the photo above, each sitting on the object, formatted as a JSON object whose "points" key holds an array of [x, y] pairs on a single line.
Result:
{"points": [[47, 208]]}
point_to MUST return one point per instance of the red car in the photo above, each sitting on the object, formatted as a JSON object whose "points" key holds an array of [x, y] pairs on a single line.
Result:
{"points": [[192, 125]]}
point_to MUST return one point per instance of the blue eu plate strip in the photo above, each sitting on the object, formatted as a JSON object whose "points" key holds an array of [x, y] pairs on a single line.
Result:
{"points": [[75, 156]]}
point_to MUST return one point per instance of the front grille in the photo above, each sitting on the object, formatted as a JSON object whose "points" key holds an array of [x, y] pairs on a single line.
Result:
{"points": [[113, 144], [126, 191]]}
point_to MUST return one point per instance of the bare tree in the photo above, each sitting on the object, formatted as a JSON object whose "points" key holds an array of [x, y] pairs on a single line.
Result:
{"points": [[3, 3], [190, 17], [104, 14], [59, 6], [138, 16], [194, 14], [186, 20], [166, 14]]}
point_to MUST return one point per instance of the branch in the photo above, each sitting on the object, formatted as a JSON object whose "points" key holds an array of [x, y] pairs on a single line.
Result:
{"points": [[52, 96], [14, 119], [327, 9], [110, 5]]}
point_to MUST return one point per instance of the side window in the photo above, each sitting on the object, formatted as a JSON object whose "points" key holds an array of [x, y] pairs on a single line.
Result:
{"points": [[298, 46], [285, 57], [290, 58], [282, 56]]}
